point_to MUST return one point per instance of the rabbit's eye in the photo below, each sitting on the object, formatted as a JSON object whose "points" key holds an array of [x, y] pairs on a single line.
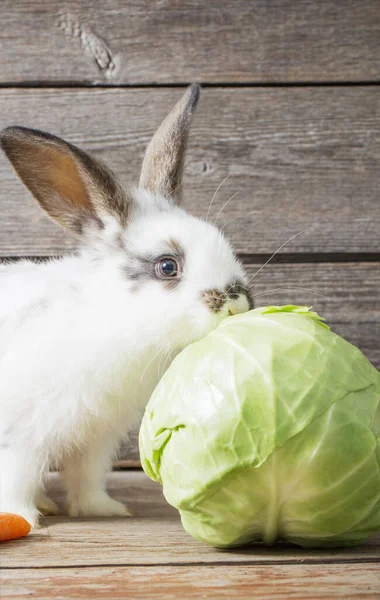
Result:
{"points": [[167, 267]]}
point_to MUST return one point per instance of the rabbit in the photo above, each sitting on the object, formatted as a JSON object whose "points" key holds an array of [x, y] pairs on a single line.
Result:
{"points": [[85, 338]]}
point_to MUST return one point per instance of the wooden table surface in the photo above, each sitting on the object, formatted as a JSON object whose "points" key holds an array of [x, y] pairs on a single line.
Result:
{"points": [[150, 556]]}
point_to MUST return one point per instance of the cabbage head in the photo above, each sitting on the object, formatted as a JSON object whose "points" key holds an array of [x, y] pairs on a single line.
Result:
{"points": [[268, 429]]}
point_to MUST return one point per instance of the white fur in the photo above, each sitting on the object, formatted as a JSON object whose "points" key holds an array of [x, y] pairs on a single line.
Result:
{"points": [[81, 350]]}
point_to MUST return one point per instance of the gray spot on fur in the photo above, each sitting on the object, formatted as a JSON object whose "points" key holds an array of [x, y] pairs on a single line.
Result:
{"points": [[142, 268], [82, 221], [120, 240], [215, 299], [176, 248], [8, 430], [236, 289], [74, 288], [6, 442]]}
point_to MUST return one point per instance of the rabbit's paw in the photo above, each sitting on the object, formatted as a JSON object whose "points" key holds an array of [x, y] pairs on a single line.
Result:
{"points": [[46, 505], [98, 505]]}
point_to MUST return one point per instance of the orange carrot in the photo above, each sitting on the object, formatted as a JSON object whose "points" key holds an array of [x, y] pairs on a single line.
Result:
{"points": [[12, 526]]}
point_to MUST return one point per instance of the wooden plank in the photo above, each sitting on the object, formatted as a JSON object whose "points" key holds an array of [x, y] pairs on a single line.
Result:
{"points": [[301, 582], [143, 42], [302, 158], [345, 294], [153, 536]]}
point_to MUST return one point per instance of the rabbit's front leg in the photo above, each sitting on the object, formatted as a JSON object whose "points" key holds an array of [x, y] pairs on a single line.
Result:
{"points": [[20, 478], [85, 475], [46, 505]]}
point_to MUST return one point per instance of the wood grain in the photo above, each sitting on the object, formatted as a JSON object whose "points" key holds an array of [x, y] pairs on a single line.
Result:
{"points": [[274, 582], [139, 42], [154, 536], [302, 158]]}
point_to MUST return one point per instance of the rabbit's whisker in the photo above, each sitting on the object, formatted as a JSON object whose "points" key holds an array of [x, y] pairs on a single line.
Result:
{"points": [[274, 254], [234, 219], [150, 362], [214, 196], [225, 204], [170, 351], [165, 354]]}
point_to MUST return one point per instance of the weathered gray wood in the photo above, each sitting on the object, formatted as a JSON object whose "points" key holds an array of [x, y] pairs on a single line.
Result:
{"points": [[169, 41], [154, 536], [302, 158], [264, 582]]}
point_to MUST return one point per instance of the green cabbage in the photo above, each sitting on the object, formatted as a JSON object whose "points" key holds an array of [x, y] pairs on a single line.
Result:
{"points": [[268, 428]]}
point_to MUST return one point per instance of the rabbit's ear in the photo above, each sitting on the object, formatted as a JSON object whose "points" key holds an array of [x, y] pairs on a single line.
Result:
{"points": [[162, 167], [73, 188]]}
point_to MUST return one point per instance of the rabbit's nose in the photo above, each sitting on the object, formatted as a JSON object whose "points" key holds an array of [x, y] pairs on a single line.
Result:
{"points": [[214, 299]]}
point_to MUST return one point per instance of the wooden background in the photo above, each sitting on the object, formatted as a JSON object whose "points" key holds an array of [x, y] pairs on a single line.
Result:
{"points": [[290, 110]]}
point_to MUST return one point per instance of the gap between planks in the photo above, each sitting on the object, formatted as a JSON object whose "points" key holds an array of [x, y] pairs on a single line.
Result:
{"points": [[251, 258], [220, 563], [138, 42], [48, 85]]}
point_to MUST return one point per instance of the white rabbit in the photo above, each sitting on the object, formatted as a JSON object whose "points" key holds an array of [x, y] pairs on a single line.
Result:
{"points": [[84, 339]]}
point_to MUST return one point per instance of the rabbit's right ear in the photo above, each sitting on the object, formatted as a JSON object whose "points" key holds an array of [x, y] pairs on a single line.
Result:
{"points": [[162, 167], [74, 189]]}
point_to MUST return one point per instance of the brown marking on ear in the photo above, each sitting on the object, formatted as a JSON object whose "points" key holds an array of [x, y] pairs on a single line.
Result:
{"points": [[73, 188], [162, 167], [63, 176], [60, 173]]}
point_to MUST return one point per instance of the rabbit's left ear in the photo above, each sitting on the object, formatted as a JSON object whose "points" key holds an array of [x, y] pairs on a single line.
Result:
{"points": [[72, 187], [162, 167]]}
